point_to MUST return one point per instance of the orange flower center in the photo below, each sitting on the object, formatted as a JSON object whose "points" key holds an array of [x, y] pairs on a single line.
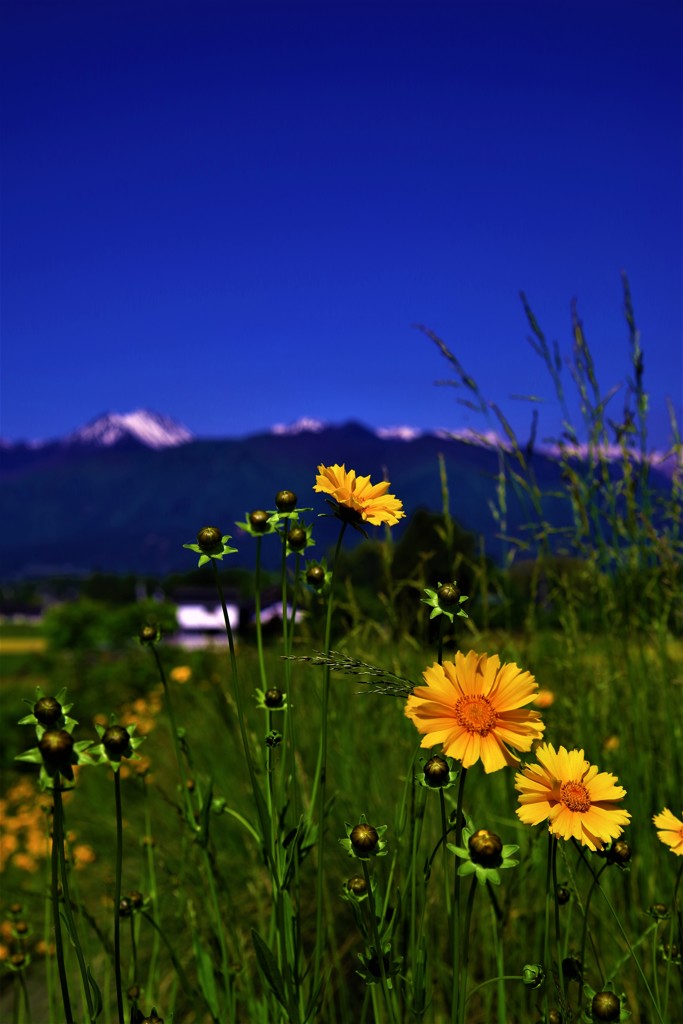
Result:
{"points": [[575, 796], [475, 713]]}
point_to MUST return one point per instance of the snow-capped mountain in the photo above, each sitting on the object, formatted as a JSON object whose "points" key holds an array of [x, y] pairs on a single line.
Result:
{"points": [[150, 429]]}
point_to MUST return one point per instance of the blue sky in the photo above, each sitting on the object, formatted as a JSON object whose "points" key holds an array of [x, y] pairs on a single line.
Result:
{"points": [[235, 213]]}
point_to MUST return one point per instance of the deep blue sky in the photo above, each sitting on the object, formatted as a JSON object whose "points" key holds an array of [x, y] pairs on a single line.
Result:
{"points": [[233, 213]]}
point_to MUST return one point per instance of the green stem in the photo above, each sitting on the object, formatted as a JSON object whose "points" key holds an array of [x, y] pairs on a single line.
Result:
{"points": [[552, 843], [374, 931], [117, 897], [493, 981], [320, 780], [556, 905], [584, 931], [257, 611], [444, 841], [464, 959], [455, 933], [496, 923], [57, 839], [59, 830], [188, 987], [185, 796], [674, 916], [219, 923]]}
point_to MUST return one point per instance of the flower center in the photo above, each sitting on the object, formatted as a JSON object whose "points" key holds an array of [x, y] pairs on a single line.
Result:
{"points": [[475, 713], [574, 795]]}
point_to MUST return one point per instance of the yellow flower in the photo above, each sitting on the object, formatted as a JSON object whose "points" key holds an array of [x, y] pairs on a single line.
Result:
{"points": [[474, 706], [670, 830], [181, 673], [357, 499], [577, 799]]}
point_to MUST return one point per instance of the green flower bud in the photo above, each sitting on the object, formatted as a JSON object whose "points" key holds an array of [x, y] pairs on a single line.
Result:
{"points": [[125, 907], [133, 992], [448, 595], [258, 520], [136, 899], [48, 711], [364, 838], [148, 634], [436, 772], [562, 895], [21, 928], [619, 853], [357, 885], [486, 848], [17, 959], [56, 747], [285, 501], [209, 539], [116, 741], [273, 698], [315, 576], [533, 975], [296, 538], [606, 1006], [660, 911], [554, 1017]]}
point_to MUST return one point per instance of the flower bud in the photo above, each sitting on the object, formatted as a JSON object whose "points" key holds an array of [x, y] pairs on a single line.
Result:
{"points": [[554, 1017], [486, 848], [533, 975], [562, 895], [116, 741], [619, 853], [148, 634], [190, 785], [21, 928], [136, 899], [357, 885], [152, 1019], [56, 747], [296, 538], [15, 908], [572, 968], [125, 907], [17, 959], [660, 911], [258, 520], [436, 772], [315, 576], [606, 1006], [273, 698], [133, 992], [364, 839], [448, 595], [285, 501], [209, 539], [48, 711]]}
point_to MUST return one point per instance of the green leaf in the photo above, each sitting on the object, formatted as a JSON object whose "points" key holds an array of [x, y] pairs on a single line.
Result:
{"points": [[205, 975], [99, 1005], [270, 969]]}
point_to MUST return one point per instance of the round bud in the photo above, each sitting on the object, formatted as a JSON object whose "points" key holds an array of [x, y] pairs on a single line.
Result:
{"points": [[315, 576], [554, 1017], [357, 885], [296, 538], [659, 910], [56, 747], [364, 838], [258, 520], [21, 928], [619, 852], [17, 959], [209, 539], [273, 698], [606, 1006], [136, 899], [116, 741], [562, 895], [285, 501], [148, 634], [448, 595], [48, 711], [571, 968], [15, 908], [436, 772], [485, 848], [190, 784], [125, 907], [133, 992]]}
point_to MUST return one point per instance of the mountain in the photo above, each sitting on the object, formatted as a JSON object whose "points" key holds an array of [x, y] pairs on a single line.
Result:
{"points": [[126, 492]]}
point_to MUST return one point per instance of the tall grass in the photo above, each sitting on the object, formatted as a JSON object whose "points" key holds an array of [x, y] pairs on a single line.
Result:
{"points": [[241, 899]]}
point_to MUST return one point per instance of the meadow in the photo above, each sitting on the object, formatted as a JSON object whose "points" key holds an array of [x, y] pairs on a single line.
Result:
{"points": [[253, 832]]}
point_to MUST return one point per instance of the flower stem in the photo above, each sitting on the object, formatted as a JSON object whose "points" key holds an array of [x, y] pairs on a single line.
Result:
{"points": [[117, 897], [257, 611], [674, 915], [320, 780], [584, 932], [374, 931], [465, 956], [187, 803], [444, 833], [59, 832], [57, 838], [455, 934], [556, 905], [552, 843]]}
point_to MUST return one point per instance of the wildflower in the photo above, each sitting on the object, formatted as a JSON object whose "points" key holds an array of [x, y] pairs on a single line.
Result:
{"points": [[437, 772], [577, 799], [181, 674], [363, 841], [356, 500], [484, 855], [49, 712], [271, 700], [605, 1006], [544, 699], [475, 708], [298, 538], [670, 830], [211, 544], [115, 743], [445, 601]]}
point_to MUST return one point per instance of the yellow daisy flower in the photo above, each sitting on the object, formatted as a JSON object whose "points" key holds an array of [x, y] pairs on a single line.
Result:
{"points": [[576, 798], [474, 706], [670, 830], [357, 499]]}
